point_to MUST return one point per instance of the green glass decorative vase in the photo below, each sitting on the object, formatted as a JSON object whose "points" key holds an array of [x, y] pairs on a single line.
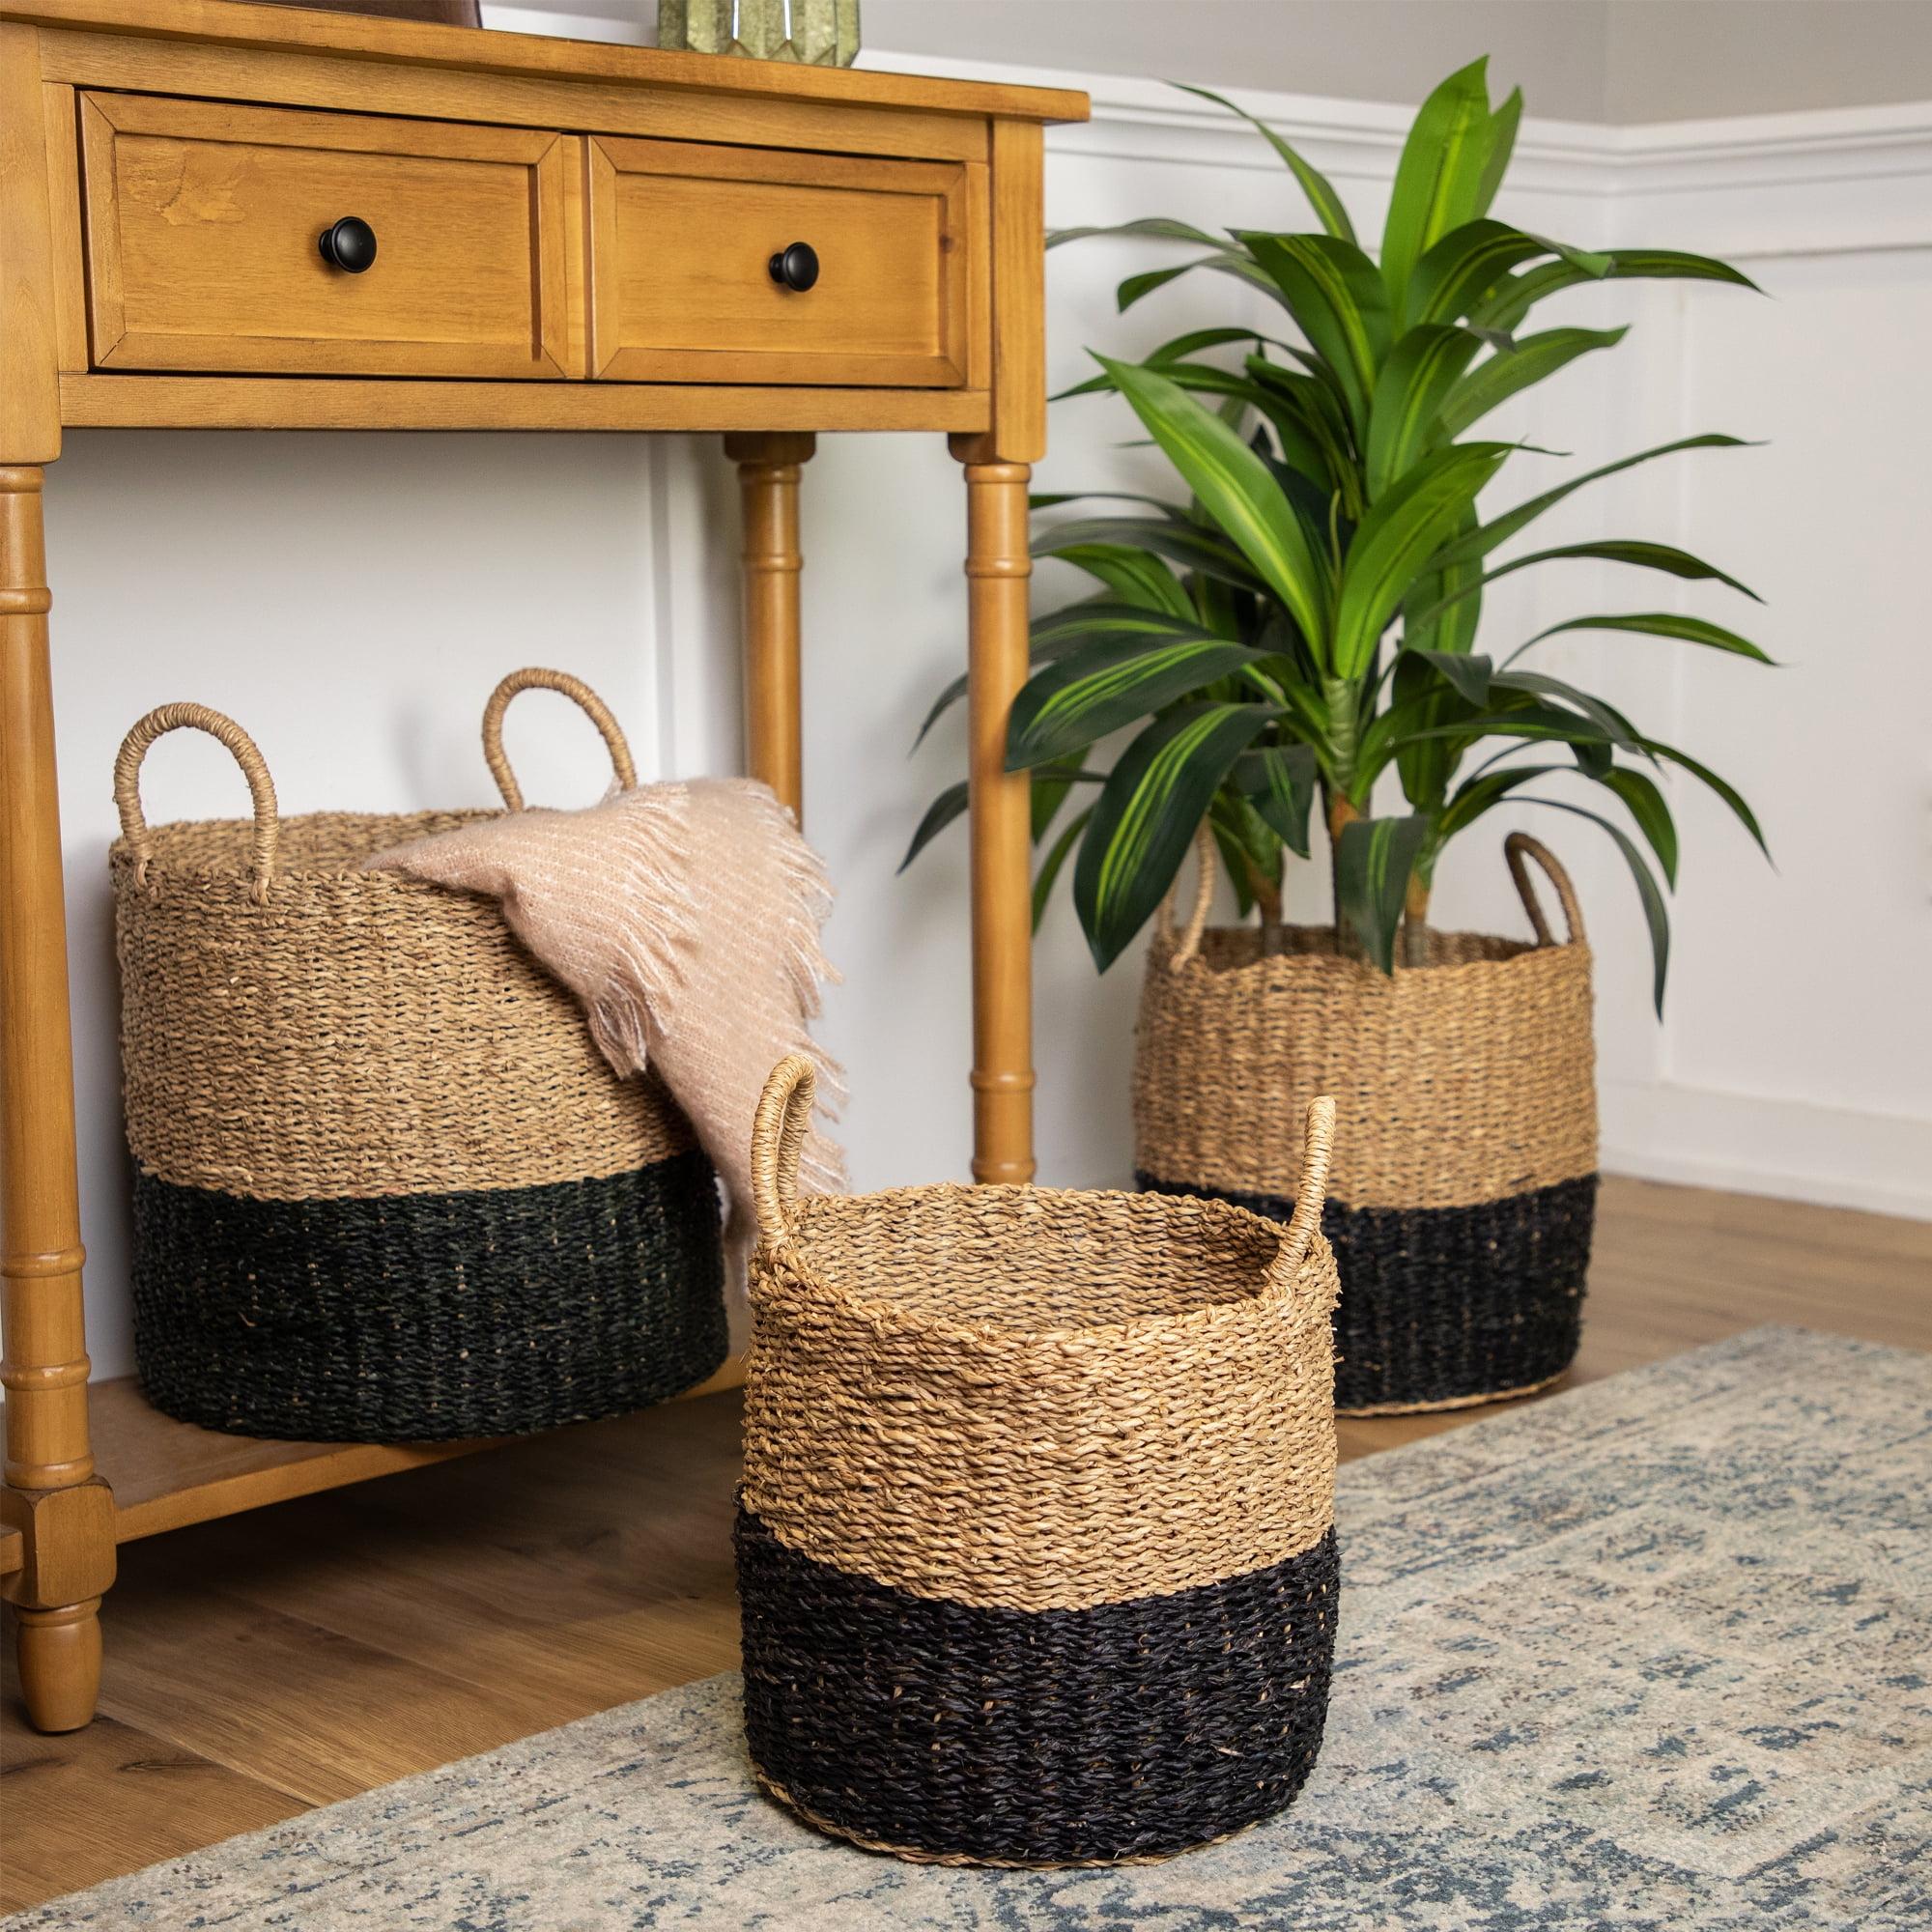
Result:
{"points": [[817, 33]]}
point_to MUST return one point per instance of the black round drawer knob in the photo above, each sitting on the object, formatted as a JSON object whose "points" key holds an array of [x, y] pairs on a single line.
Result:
{"points": [[349, 245], [795, 267]]}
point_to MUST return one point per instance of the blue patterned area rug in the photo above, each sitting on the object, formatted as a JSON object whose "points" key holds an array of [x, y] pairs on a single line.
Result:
{"points": [[1656, 1654]]}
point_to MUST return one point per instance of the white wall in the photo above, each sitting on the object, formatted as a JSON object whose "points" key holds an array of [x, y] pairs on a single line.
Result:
{"points": [[1591, 60], [353, 598]]}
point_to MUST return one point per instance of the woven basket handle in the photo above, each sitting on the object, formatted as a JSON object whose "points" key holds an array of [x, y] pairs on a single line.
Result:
{"points": [[1519, 846], [535, 678], [778, 1139], [1318, 1145], [1203, 901], [157, 723]]}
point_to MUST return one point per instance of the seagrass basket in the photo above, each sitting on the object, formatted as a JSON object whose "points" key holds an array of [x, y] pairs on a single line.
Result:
{"points": [[1464, 1186], [1035, 1543], [387, 1188]]}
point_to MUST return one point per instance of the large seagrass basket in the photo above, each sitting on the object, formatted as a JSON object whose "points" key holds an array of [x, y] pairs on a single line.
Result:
{"points": [[1464, 1184], [386, 1187], [1035, 1543]]}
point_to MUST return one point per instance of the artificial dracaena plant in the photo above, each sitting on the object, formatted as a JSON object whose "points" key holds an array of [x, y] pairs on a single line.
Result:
{"points": [[1308, 617]]}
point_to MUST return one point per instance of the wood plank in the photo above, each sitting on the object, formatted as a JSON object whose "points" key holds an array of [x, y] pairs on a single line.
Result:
{"points": [[465, 50], [229, 72], [29, 355], [170, 1474], [341, 402], [203, 219], [109, 1800], [684, 234]]}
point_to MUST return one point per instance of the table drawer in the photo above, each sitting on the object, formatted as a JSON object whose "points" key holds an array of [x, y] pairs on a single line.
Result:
{"points": [[204, 221], [684, 237]]}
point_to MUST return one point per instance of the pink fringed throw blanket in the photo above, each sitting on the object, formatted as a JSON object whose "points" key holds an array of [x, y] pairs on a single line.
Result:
{"points": [[686, 918]]}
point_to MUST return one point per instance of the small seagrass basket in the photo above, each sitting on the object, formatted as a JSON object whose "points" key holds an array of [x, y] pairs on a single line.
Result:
{"points": [[1035, 1543], [387, 1188], [1464, 1187]]}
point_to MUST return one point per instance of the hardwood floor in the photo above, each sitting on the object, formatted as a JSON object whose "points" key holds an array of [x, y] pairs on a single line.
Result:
{"points": [[300, 1654]]}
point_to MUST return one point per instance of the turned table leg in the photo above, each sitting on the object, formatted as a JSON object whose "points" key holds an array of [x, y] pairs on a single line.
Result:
{"points": [[62, 1511], [998, 567], [768, 470]]}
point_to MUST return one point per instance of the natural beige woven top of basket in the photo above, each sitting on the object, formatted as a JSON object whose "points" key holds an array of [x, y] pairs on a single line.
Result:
{"points": [[1462, 1081], [295, 1028], [1026, 1397]]}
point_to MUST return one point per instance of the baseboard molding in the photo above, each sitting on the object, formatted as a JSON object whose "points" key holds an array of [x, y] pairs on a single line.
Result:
{"points": [[1790, 1149]]}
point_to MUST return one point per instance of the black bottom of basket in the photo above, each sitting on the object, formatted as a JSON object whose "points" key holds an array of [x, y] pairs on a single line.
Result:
{"points": [[1448, 1304], [428, 1318], [949, 1731]]}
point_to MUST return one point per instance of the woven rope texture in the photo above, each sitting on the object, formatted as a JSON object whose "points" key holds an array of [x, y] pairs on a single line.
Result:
{"points": [[1445, 1306], [432, 1316], [1460, 1204], [971, 1735], [382, 1165], [1466, 1080], [1029, 1415]]}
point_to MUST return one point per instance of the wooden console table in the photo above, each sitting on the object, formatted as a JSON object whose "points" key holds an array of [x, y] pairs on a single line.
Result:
{"points": [[227, 217]]}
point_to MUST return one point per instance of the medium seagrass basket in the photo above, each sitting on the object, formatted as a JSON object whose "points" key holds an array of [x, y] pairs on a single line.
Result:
{"points": [[386, 1187], [1035, 1543], [1465, 1187]]}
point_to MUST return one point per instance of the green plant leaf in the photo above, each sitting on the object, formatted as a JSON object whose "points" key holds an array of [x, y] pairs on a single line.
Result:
{"points": [[1538, 685], [1395, 539], [1440, 178], [1528, 721], [950, 804], [1224, 260], [1237, 491], [1509, 303], [1470, 674], [1373, 861], [1659, 624], [1183, 543], [1655, 915], [1476, 795], [1337, 299], [1416, 382], [1148, 228], [1056, 858], [1509, 371], [1061, 630], [1095, 691], [1050, 786], [1705, 776], [1279, 782], [1503, 125], [1145, 820], [1646, 804], [1481, 540], [1134, 576], [1321, 192], [1059, 499], [1460, 269]]}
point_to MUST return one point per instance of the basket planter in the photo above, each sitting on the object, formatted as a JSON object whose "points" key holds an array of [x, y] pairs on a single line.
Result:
{"points": [[386, 1187], [1464, 1186], [1035, 1541]]}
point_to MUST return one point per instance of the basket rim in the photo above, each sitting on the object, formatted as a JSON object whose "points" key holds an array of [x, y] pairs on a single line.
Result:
{"points": [[120, 857], [1363, 971], [1274, 1288]]}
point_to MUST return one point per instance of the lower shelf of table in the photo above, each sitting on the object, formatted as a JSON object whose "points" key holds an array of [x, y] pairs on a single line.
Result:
{"points": [[166, 1474]]}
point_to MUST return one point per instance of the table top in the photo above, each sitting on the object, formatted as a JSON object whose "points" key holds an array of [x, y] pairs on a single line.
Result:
{"points": [[296, 29]]}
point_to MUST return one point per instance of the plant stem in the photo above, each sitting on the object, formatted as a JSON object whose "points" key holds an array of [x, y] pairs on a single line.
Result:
{"points": [[1415, 922], [1348, 941], [1274, 935]]}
